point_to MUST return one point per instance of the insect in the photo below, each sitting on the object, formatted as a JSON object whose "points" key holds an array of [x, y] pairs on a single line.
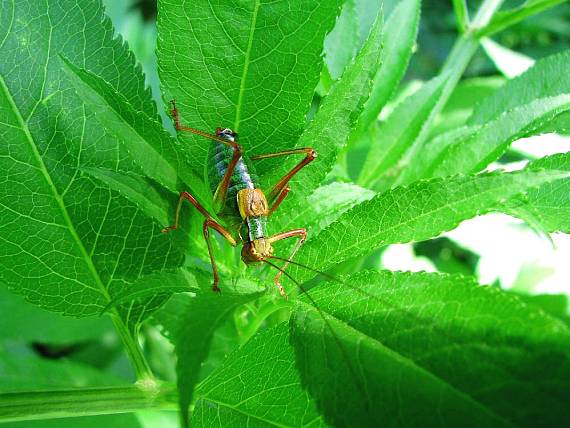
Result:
{"points": [[239, 201]]}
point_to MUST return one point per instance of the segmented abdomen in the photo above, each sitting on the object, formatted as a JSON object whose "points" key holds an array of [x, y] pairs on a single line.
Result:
{"points": [[243, 177]]}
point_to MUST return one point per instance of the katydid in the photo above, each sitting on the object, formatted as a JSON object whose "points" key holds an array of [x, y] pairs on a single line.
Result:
{"points": [[239, 201]]}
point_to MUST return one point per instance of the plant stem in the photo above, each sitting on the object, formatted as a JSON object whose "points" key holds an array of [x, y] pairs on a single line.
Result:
{"points": [[462, 52], [20, 406], [134, 352], [484, 15], [461, 15], [464, 49], [517, 15]]}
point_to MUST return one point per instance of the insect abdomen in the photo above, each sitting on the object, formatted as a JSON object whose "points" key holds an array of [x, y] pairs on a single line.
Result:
{"points": [[244, 176]]}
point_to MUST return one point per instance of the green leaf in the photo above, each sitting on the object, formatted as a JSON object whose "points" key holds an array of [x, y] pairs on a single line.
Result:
{"points": [[257, 385], [507, 18], [30, 54], [488, 142], [399, 37], [334, 122], [324, 206], [136, 189], [417, 212], [77, 269], [546, 79], [399, 134], [156, 285], [433, 151], [341, 44], [459, 108], [555, 305], [149, 145], [461, 15], [521, 107], [430, 350], [23, 322], [67, 241], [252, 68], [190, 322], [549, 204]]}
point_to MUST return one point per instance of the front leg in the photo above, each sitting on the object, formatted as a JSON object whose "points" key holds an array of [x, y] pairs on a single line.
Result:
{"points": [[298, 233]]}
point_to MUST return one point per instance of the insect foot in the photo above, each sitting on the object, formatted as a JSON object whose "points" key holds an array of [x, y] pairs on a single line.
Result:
{"points": [[281, 290]]}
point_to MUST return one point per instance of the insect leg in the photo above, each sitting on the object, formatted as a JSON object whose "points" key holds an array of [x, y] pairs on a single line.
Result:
{"points": [[279, 199], [188, 197], [208, 223], [299, 233], [222, 190], [277, 190]]}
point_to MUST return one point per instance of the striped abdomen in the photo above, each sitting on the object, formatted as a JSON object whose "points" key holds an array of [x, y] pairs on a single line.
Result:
{"points": [[243, 177]]}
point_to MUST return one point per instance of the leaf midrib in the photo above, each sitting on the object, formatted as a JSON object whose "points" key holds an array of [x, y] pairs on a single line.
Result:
{"points": [[404, 360], [347, 248], [246, 65], [243, 412], [63, 209]]}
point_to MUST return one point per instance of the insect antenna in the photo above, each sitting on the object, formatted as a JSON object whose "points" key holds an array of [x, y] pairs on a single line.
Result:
{"points": [[359, 385], [387, 303], [320, 272], [203, 134], [340, 281]]}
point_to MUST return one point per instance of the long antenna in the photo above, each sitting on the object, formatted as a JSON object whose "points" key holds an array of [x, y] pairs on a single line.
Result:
{"points": [[328, 324], [390, 305], [179, 127], [326, 275], [203, 134], [340, 281]]}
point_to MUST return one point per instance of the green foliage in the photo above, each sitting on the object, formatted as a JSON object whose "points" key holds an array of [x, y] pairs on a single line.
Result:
{"points": [[417, 212], [509, 17], [258, 384], [547, 206], [407, 338], [398, 41], [400, 133], [190, 322], [89, 176], [253, 68], [336, 118]]}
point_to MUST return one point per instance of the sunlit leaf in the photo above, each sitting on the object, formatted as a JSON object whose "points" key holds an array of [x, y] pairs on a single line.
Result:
{"points": [[508, 62], [417, 212], [549, 204], [268, 391], [335, 120], [433, 350], [398, 41], [399, 133], [252, 68], [190, 323]]}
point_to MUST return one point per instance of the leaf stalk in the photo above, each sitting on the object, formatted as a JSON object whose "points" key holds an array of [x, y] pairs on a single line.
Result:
{"points": [[23, 406], [134, 352]]}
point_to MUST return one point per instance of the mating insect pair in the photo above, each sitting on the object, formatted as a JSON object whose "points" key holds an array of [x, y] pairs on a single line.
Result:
{"points": [[239, 202]]}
